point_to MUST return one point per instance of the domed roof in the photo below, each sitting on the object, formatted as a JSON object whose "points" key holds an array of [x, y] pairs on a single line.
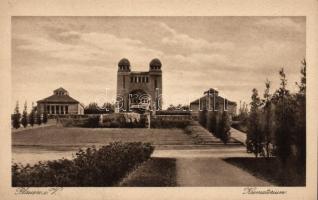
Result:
{"points": [[155, 63], [124, 62]]}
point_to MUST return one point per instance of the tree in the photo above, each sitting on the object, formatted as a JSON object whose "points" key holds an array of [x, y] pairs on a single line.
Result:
{"points": [[38, 118], [255, 135], [92, 108], [16, 117], [178, 107], [24, 120], [213, 122], [171, 107], [300, 136], [108, 108], [267, 117], [284, 119], [32, 115], [224, 127], [45, 117]]}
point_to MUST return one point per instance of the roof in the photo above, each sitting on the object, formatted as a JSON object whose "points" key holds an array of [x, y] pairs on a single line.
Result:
{"points": [[155, 63], [55, 98], [211, 91], [60, 89], [124, 62], [58, 99], [219, 99]]}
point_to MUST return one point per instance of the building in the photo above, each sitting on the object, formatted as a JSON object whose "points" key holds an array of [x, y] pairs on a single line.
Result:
{"points": [[60, 103], [139, 90], [211, 101]]}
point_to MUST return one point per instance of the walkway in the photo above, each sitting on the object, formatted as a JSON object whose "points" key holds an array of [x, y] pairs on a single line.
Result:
{"points": [[207, 171], [238, 135]]}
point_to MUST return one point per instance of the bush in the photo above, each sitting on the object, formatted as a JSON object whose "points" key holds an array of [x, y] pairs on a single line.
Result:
{"points": [[93, 167], [112, 121], [91, 122]]}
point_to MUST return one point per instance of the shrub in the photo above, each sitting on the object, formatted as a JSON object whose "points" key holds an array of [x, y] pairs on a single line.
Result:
{"points": [[91, 167], [91, 122]]}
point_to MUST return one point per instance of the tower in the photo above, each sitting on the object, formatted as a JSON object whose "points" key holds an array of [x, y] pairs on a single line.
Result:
{"points": [[155, 74], [122, 81], [139, 90]]}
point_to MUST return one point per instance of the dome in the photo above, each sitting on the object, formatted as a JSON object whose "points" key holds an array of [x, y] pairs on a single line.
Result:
{"points": [[155, 63], [124, 62]]}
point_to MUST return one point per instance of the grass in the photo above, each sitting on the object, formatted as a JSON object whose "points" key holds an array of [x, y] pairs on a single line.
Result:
{"points": [[156, 172], [269, 169], [61, 136]]}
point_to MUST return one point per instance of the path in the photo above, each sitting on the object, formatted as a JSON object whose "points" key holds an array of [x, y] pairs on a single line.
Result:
{"points": [[238, 135], [213, 172]]}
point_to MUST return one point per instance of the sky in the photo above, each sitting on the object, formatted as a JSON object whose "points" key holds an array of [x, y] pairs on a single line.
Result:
{"points": [[232, 54]]}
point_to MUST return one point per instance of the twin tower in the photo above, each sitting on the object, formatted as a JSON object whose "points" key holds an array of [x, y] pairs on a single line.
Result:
{"points": [[139, 90]]}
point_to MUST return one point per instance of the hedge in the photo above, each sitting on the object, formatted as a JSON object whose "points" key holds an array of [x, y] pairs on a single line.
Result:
{"points": [[158, 123], [94, 122], [91, 167]]}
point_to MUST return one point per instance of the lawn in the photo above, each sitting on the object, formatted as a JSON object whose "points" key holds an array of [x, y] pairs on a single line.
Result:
{"points": [[269, 169], [61, 136], [156, 172]]}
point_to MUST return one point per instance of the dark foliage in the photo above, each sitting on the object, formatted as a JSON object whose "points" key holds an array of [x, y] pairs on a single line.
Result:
{"points": [[16, 117], [255, 136], [90, 167], [203, 118], [32, 117], [93, 108], [38, 118], [280, 123], [173, 112], [45, 117], [24, 120], [94, 122], [178, 107], [224, 127]]}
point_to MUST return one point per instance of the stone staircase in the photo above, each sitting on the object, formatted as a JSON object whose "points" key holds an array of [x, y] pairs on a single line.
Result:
{"points": [[204, 137], [195, 137]]}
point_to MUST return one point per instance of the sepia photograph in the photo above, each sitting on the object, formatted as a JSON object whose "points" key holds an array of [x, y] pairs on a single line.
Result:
{"points": [[139, 99], [158, 101]]}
